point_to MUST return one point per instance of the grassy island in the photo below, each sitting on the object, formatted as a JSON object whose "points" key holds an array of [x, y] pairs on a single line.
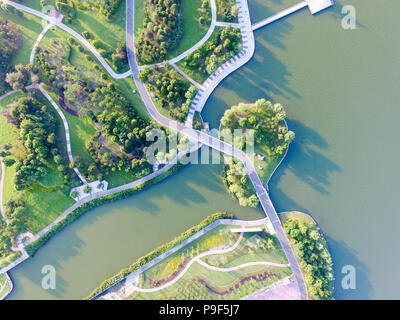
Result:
{"points": [[270, 141], [312, 253]]}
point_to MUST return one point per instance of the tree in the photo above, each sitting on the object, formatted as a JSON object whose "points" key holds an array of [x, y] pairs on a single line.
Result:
{"points": [[18, 79], [8, 162]]}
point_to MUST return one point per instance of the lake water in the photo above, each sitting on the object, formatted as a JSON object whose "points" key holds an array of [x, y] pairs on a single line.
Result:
{"points": [[340, 90]]}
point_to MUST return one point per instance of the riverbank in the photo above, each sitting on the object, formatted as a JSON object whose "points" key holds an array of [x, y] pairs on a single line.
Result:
{"points": [[108, 283], [317, 266]]}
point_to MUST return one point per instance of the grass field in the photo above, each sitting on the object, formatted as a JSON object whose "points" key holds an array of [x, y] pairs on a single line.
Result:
{"points": [[4, 287], [198, 280], [30, 27], [109, 32], [193, 284], [47, 201], [192, 30]]}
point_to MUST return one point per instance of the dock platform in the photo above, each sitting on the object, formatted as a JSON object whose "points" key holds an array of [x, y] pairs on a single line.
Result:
{"points": [[314, 6]]}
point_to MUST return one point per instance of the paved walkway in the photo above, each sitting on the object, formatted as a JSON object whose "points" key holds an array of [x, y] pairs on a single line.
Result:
{"points": [[66, 127], [72, 33], [131, 278], [198, 85], [132, 288], [3, 168], [39, 38], [280, 15], [241, 266], [273, 224], [10, 286], [8, 94], [229, 66]]}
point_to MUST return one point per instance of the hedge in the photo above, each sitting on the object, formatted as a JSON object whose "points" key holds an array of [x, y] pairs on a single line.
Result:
{"points": [[156, 252], [34, 246]]}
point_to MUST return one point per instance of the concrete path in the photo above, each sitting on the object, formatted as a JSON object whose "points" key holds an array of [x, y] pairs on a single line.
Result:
{"points": [[229, 66], [10, 286], [72, 33], [280, 15], [273, 224], [40, 37], [8, 94], [241, 266], [65, 123], [3, 168], [183, 272], [198, 85]]}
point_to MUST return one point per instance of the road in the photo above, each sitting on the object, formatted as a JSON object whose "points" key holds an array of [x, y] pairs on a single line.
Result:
{"points": [[274, 224], [73, 33]]}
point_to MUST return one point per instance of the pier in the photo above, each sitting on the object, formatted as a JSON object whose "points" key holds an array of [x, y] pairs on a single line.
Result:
{"points": [[314, 6]]}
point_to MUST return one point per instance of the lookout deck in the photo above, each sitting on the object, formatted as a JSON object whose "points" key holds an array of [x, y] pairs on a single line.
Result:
{"points": [[314, 6]]}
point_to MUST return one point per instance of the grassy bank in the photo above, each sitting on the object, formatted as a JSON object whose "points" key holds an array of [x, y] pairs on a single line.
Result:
{"points": [[311, 250], [155, 253], [34, 246]]}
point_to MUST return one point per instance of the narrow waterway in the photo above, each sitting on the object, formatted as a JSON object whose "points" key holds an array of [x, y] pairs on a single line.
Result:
{"points": [[114, 235], [341, 92]]}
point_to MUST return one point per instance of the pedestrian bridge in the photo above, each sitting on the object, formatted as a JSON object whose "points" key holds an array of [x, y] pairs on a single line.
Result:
{"points": [[314, 6]]}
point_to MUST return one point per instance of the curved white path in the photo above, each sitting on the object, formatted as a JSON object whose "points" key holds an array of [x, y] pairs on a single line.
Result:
{"points": [[183, 272], [66, 127], [241, 266], [3, 168], [39, 38], [273, 221], [72, 33]]}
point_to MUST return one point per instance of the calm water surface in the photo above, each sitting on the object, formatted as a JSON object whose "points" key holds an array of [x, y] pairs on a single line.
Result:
{"points": [[340, 90]]}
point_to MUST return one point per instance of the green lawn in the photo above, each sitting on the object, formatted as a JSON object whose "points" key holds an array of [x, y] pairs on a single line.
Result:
{"points": [[192, 30], [4, 285], [44, 201], [30, 27], [139, 16], [110, 33], [188, 287]]}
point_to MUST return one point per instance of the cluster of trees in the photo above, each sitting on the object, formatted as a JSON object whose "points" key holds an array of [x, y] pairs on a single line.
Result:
{"points": [[15, 214], [66, 7], [118, 58], [11, 41], [174, 92], [237, 181], [10, 9], [203, 12], [224, 44], [37, 129], [106, 8], [122, 127], [120, 140], [268, 122], [315, 260], [20, 78], [228, 10], [162, 30]]}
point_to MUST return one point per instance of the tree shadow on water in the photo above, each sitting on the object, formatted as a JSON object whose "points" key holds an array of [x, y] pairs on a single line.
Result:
{"points": [[305, 161], [346, 256]]}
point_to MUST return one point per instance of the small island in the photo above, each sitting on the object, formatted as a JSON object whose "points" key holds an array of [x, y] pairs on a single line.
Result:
{"points": [[271, 140]]}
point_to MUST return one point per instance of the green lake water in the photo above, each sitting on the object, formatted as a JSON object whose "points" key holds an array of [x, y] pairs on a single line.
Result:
{"points": [[340, 90]]}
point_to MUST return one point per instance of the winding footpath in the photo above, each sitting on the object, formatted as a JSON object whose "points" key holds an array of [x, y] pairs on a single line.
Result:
{"points": [[3, 171], [73, 33], [272, 222], [66, 127], [183, 272]]}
